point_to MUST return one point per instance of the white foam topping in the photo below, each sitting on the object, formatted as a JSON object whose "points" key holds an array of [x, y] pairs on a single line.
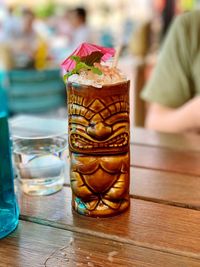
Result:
{"points": [[108, 76]]}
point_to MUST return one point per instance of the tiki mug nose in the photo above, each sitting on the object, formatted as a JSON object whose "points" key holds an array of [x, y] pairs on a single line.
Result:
{"points": [[99, 131]]}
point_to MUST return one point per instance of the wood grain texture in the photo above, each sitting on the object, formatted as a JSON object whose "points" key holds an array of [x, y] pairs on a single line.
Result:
{"points": [[189, 142], [148, 224], [165, 152], [164, 187], [186, 162], [162, 159], [37, 245]]}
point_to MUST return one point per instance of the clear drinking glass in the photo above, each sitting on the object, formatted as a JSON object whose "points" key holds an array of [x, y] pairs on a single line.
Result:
{"points": [[39, 148]]}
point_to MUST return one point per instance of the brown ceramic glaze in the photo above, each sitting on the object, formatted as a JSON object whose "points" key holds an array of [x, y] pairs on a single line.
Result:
{"points": [[99, 148]]}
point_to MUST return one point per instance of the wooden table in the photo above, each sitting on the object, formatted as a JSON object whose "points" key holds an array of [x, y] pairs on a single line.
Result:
{"points": [[162, 227]]}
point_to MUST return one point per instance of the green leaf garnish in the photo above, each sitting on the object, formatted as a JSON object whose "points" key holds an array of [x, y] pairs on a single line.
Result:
{"points": [[65, 77], [81, 64], [96, 70], [76, 58]]}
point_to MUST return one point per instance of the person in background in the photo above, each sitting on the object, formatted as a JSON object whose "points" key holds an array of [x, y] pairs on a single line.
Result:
{"points": [[168, 13], [173, 92], [9, 26], [63, 27], [11, 23], [25, 42], [80, 29], [60, 36]]}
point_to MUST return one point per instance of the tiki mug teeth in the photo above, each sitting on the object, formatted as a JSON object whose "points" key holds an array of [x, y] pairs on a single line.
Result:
{"points": [[98, 121]]}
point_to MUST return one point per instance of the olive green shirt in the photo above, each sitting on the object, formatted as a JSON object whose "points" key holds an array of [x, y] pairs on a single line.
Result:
{"points": [[176, 77]]}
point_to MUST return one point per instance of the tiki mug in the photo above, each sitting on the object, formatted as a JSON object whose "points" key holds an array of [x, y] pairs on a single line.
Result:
{"points": [[99, 148]]}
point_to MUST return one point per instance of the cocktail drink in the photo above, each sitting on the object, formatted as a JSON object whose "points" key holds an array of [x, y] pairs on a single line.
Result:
{"points": [[98, 110]]}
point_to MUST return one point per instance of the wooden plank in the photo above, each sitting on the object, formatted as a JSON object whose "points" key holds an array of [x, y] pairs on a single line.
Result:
{"points": [[164, 187], [148, 224], [162, 159], [166, 152], [37, 245], [186, 162], [141, 136]]}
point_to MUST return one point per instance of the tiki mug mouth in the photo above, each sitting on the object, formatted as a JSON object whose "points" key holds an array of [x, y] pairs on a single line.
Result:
{"points": [[117, 142]]}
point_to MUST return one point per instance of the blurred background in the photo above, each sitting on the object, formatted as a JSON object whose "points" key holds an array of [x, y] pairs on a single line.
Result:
{"points": [[36, 36]]}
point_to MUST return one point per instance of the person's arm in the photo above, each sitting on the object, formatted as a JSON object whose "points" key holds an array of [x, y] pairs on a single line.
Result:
{"points": [[172, 86], [165, 119]]}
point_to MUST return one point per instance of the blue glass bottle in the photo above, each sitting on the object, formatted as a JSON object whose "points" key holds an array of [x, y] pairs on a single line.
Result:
{"points": [[9, 212]]}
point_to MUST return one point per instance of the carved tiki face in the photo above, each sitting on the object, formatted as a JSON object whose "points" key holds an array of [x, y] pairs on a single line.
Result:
{"points": [[99, 119], [99, 145]]}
